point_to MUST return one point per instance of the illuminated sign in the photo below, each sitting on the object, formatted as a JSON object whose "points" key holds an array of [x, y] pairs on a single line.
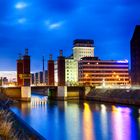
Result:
{"points": [[122, 61]]}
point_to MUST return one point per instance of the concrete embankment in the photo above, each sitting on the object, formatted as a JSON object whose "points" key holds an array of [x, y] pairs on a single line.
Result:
{"points": [[122, 96], [20, 129]]}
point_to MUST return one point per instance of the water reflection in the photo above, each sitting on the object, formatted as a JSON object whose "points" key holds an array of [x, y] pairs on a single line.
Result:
{"points": [[88, 133], [80, 120], [35, 101], [104, 121], [121, 123]]}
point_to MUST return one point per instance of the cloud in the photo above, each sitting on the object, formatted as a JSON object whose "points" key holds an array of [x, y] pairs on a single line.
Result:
{"points": [[21, 5], [22, 20], [53, 25]]}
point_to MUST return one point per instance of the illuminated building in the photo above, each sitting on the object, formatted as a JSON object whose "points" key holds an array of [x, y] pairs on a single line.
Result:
{"points": [[51, 71], [71, 72], [135, 57], [4, 81], [61, 69], [82, 48], [23, 70], [11, 75], [93, 71]]}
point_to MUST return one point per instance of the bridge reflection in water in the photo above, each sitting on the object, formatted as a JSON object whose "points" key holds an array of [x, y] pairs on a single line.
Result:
{"points": [[80, 120], [42, 100]]}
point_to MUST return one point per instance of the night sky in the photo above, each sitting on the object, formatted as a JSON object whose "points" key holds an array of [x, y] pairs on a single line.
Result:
{"points": [[46, 26]]}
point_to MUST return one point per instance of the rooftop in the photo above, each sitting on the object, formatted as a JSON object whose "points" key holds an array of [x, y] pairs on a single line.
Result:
{"points": [[83, 41]]}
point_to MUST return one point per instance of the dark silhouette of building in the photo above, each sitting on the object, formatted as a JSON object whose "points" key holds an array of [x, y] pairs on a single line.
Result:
{"points": [[51, 71], [135, 56], [19, 70], [61, 69], [23, 70]]}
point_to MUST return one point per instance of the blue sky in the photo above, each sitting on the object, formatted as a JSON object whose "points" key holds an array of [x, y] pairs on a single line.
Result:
{"points": [[46, 26]]}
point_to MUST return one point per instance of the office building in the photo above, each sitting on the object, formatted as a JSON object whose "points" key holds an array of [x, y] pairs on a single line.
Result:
{"points": [[83, 48], [96, 72], [71, 72]]}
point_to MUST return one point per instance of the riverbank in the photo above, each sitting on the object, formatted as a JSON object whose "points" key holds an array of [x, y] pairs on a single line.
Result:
{"points": [[121, 96], [12, 127]]}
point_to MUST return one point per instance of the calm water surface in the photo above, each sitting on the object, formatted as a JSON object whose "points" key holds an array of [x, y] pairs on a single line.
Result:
{"points": [[74, 120]]}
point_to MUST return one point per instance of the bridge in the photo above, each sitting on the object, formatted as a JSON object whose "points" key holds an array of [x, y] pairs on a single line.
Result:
{"points": [[53, 92]]}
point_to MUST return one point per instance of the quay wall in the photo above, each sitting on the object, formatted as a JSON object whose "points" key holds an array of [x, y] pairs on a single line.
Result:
{"points": [[72, 92], [122, 96], [12, 92]]}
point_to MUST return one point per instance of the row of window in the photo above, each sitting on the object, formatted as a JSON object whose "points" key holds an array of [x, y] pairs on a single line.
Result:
{"points": [[117, 80], [101, 62], [104, 71], [113, 76], [103, 67]]}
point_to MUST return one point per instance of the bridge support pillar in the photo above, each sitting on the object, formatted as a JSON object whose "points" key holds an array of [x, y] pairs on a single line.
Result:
{"points": [[62, 92], [25, 93]]}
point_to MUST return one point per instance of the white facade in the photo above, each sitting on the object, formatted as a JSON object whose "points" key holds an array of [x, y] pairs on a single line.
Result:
{"points": [[79, 52], [71, 73], [81, 49]]}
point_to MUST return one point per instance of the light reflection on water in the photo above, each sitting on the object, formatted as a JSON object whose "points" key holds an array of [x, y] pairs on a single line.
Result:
{"points": [[74, 120], [88, 125], [121, 123]]}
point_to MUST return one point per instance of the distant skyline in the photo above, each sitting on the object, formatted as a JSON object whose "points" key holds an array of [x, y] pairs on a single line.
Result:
{"points": [[46, 26]]}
